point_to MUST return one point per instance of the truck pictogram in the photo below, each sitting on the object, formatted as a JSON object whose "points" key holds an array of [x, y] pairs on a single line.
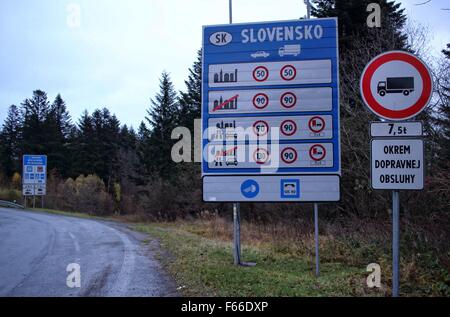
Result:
{"points": [[396, 85]]}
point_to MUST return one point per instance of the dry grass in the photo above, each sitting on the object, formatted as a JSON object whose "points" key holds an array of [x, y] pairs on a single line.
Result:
{"points": [[353, 242]]}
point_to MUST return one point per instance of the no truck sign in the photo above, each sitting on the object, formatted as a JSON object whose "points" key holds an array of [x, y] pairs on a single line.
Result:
{"points": [[396, 85]]}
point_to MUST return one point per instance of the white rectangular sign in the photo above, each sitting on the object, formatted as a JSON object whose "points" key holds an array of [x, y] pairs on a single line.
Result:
{"points": [[28, 189], [270, 73], [292, 188], [397, 164], [270, 157], [270, 100], [271, 128], [40, 190], [396, 129]]}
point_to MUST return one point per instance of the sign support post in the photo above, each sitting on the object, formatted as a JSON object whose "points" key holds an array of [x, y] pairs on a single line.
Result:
{"points": [[316, 237], [395, 242], [236, 206], [237, 234], [316, 205]]}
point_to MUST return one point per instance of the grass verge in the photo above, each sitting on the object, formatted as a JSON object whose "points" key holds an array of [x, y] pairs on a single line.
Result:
{"points": [[203, 267]]}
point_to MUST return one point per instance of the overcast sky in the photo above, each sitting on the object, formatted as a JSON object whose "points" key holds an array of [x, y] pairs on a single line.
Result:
{"points": [[114, 56]]}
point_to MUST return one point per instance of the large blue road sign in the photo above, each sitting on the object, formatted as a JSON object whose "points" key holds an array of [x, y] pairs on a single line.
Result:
{"points": [[271, 99], [34, 169]]}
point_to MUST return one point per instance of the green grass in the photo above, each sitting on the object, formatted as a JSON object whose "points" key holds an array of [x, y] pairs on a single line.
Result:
{"points": [[70, 214], [204, 267]]}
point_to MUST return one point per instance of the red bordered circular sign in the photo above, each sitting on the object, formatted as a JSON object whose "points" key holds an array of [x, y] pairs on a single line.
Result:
{"points": [[288, 100], [288, 73], [396, 85], [317, 152], [261, 156], [260, 73], [288, 127], [289, 155], [260, 101], [260, 128], [316, 124]]}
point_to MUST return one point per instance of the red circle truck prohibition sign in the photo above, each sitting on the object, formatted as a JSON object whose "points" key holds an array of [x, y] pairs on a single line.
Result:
{"points": [[396, 85], [317, 152], [316, 124], [261, 73]]}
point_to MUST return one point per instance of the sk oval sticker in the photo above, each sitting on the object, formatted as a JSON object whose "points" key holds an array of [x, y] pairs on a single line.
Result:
{"points": [[220, 38]]}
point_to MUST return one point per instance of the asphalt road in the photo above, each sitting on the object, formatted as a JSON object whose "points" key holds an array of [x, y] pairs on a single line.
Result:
{"points": [[36, 249]]}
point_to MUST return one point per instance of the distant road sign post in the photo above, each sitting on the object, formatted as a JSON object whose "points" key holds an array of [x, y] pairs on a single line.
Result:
{"points": [[270, 112], [34, 176], [396, 86]]}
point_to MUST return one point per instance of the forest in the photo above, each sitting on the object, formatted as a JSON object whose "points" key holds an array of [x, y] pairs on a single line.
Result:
{"points": [[99, 166]]}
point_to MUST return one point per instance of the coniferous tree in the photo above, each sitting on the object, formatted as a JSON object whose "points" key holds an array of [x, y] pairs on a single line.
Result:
{"points": [[352, 17], [190, 101], [84, 149], [97, 145], [10, 142], [34, 131], [58, 127], [162, 117]]}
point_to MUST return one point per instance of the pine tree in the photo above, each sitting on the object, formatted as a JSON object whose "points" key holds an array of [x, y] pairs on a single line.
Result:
{"points": [[97, 145], [162, 117], [83, 148], [190, 101], [59, 113], [10, 139], [142, 166], [352, 17], [58, 127], [34, 132]]}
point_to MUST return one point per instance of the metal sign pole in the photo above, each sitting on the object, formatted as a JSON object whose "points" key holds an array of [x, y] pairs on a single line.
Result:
{"points": [[316, 205], [237, 234], [308, 9], [34, 201], [395, 242], [236, 206], [316, 236]]}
